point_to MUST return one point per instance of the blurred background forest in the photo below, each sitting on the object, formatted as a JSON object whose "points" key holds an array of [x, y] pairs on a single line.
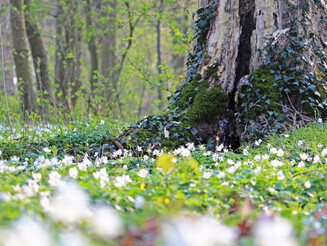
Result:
{"points": [[104, 58]]}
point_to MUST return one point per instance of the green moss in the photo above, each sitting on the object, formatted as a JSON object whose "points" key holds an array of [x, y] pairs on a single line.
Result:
{"points": [[189, 93], [211, 71], [208, 105], [203, 104], [171, 144], [145, 135], [260, 95]]}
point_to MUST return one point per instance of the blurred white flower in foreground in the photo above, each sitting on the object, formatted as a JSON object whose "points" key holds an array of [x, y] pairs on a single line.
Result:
{"points": [[73, 238], [121, 181], [257, 158], [46, 149], [15, 159], [307, 184], [265, 157], [221, 175], [103, 176], [301, 164], [280, 153], [70, 204], [185, 152], [73, 172], [190, 146], [276, 163], [139, 202], [54, 178], [117, 154], [273, 151], [304, 156], [257, 170], [215, 157], [182, 151], [274, 232], [26, 232], [280, 175], [69, 160], [204, 231], [316, 159], [37, 176], [106, 223], [206, 175], [142, 173]]}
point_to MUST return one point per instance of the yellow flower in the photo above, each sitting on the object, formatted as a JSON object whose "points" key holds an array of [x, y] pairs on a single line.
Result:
{"points": [[142, 186], [159, 200], [166, 162], [166, 200]]}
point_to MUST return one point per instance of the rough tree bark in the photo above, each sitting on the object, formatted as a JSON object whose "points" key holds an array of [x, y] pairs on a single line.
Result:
{"points": [[40, 57], [21, 55], [257, 66]]}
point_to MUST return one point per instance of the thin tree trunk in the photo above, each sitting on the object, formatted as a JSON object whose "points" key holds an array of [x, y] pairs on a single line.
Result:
{"points": [[178, 60], [60, 75], [40, 58], [68, 62], [21, 55], [75, 78], [159, 61], [93, 79], [109, 58]]}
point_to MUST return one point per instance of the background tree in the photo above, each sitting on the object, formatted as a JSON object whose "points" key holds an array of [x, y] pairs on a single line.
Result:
{"points": [[69, 44], [109, 49], [40, 58], [101, 55], [91, 33], [21, 55]]}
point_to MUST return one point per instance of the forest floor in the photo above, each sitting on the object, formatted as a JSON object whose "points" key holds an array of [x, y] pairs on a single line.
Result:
{"points": [[58, 186]]}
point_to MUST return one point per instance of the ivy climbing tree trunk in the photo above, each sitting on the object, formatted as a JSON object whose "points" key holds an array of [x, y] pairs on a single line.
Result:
{"points": [[257, 67], [21, 55]]}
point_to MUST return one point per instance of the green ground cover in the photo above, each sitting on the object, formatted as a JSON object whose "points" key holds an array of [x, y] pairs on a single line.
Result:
{"points": [[71, 186]]}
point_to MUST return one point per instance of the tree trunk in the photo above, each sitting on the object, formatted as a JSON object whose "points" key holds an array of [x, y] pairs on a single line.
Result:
{"points": [[40, 58], [109, 58], [20, 46], [257, 67], [60, 63], [159, 60], [178, 59], [91, 41], [8, 54], [68, 55]]}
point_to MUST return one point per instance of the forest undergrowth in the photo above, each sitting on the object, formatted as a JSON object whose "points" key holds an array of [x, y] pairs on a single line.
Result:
{"points": [[76, 185]]}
